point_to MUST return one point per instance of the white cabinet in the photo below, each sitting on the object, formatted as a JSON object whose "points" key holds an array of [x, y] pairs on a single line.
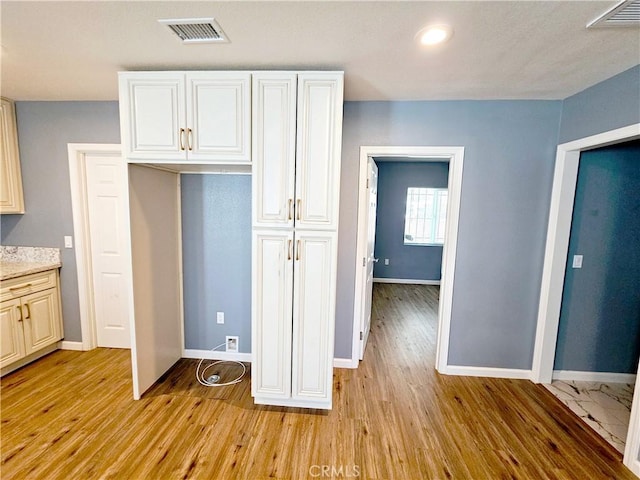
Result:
{"points": [[30, 318], [11, 196], [319, 143], [196, 117], [296, 186], [274, 149], [272, 301], [314, 317], [11, 332], [297, 128]]}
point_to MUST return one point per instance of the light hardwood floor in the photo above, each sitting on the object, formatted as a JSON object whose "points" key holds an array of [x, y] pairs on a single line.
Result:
{"points": [[71, 416]]}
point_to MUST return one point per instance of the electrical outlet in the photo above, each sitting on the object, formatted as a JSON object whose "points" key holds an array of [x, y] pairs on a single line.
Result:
{"points": [[386, 261], [68, 241], [220, 317], [232, 344]]}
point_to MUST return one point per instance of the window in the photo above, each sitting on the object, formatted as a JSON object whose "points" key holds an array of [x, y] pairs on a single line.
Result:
{"points": [[426, 216]]}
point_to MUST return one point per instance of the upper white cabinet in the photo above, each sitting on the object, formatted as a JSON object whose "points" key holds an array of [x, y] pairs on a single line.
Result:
{"points": [[11, 197], [319, 143], [196, 117], [297, 134], [274, 149]]}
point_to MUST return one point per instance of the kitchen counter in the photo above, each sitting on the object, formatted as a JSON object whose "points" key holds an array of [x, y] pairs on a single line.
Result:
{"points": [[16, 269], [18, 261]]}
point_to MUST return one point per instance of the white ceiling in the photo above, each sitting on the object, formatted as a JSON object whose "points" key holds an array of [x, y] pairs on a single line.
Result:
{"points": [[510, 50]]}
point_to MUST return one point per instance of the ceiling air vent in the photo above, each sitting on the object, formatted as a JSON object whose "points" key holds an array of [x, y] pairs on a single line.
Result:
{"points": [[196, 30], [624, 14]]}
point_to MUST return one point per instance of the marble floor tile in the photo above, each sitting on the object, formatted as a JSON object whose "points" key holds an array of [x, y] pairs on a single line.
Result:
{"points": [[605, 407]]}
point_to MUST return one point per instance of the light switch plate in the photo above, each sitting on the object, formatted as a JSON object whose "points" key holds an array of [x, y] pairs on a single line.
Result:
{"points": [[220, 317], [577, 261], [68, 241]]}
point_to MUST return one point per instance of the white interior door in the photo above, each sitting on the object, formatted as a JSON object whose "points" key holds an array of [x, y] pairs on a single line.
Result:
{"points": [[106, 182], [372, 194]]}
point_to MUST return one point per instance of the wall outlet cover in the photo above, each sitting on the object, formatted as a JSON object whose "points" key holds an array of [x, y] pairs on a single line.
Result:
{"points": [[232, 343], [219, 317]]}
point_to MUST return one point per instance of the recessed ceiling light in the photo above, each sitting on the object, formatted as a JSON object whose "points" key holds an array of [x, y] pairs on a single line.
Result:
{"points": [[434, 34]]}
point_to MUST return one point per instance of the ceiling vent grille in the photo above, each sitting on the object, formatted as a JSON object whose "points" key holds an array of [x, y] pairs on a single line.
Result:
{"points": [[624, 14], [197, 30]]}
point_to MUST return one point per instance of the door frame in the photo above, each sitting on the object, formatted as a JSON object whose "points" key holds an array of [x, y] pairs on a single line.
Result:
{"points": [[77, 153], [555, 259], [455, 157]]}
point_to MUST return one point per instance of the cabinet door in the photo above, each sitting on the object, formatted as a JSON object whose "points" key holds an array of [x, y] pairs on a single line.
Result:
{"points": [[318, 150], [218, 116], [11, 336], [152, 115], [274, 149], [41, 313], [314, 318], [271, 315], [11, 197]]}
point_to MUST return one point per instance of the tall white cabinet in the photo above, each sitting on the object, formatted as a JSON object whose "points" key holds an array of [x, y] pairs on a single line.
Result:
{"points": [[286, 128], [296, 131]]}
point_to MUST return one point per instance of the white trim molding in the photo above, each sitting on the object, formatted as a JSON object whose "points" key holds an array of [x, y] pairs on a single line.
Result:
{"points": [[455, 157], [246, 357], [344, 363], [216, 355], [604, 377], [491, 372], [69, 345], [77, 175], [632, 445], [406, 281]]}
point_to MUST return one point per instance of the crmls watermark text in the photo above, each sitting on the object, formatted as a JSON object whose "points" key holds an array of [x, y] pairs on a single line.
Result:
{"points": [[334, 471]]}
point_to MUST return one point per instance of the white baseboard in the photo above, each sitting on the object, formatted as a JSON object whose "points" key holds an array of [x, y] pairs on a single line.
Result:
{"points": [[634, 466], [487, 372], [408, 281], [345, 363], [216, 355], [68, 345], [246, 357], [604, 377]]}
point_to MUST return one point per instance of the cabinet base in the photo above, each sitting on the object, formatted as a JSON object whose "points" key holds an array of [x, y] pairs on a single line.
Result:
{"points": [[29, 358], [291, 402]]}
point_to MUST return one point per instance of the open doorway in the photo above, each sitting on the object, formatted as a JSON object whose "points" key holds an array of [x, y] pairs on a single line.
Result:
{"points": [[555, 261], [364, 281], [598, 345]]}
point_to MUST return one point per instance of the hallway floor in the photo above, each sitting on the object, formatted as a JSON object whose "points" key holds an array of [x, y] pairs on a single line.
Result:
{"points": [[605, 407]]}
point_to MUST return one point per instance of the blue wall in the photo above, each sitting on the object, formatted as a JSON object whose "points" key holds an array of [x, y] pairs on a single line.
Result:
{"points": [[510, 150], [417, 262], [508, 170], [216, 246], [600, 317], [44, 129], [605, 106]]}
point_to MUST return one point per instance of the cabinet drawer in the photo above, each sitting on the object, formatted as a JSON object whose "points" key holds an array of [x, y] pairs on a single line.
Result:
{"points": [[18, 287]]}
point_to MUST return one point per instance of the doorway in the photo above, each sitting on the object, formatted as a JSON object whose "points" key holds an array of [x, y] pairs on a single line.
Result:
{"points": [[556, 251], [99, 192], [454, 156]]}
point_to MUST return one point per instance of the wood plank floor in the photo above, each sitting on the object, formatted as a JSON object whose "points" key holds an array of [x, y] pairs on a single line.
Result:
{"points": [[71, 416]]}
